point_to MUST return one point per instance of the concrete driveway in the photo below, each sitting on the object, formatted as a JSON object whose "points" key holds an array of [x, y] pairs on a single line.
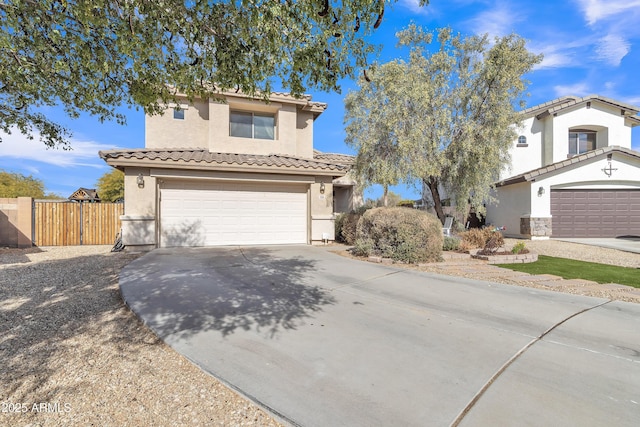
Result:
{"points": [[323, 340]]}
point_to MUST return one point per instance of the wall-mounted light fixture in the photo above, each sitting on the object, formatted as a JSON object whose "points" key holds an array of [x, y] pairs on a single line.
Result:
{"points": [[140, 181], [541, 191], [322, 188]]}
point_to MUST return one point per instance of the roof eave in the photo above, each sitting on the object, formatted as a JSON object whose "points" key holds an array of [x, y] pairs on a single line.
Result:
{"points": [[121, 163]]}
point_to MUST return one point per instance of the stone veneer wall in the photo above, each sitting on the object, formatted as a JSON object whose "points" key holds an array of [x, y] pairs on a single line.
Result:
{"points": [[535, 227]]}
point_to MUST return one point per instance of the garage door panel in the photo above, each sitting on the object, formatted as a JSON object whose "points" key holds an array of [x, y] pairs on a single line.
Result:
{"points": [[208, 213], [595, 213]]}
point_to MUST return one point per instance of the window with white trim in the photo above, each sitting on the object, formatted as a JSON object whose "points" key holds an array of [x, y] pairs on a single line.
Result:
{"points": [[252, 125]]}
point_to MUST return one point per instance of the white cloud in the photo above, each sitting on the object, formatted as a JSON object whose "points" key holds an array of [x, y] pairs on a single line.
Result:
{"points": [[414, 7], [577, 89], [83, 153], [598, 10], [612, 48], [496, 22], [554, 60]]}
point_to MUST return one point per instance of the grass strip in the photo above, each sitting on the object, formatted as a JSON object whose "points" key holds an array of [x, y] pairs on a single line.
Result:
{"points": [[572, 269]]}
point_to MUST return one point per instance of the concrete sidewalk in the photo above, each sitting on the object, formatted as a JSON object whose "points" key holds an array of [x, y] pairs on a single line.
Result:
{"points": [[321, 340]]}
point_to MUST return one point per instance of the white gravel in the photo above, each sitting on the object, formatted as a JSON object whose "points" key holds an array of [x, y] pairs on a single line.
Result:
{"points": [[73, 354]]}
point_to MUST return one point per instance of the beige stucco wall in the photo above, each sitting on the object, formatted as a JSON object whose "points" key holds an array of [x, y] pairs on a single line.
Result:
{"points": [[322, 217], [163, 131], [304, 134], [139, 219], [16, 226], [206, 125]]}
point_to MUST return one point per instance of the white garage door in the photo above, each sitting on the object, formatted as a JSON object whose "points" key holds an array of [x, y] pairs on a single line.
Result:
{"points": [[196, 213]]}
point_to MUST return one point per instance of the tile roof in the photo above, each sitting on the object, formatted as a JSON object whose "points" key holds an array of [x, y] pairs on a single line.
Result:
{"points": [[204, 156], [560, 104], [600, 152], [345, 159]]}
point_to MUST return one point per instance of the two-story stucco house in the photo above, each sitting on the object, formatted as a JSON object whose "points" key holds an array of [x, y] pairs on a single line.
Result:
{"points": [[230, 171], [573, 172]]}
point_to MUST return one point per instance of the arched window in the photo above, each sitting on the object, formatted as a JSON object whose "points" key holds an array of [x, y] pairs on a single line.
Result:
{"points": [[522, 140]]}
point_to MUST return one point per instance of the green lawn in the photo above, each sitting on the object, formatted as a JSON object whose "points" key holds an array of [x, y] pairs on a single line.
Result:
{"points": [[572, 269]]}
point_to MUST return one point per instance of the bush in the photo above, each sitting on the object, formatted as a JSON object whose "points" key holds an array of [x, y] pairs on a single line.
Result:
{"points": [[479, 237], [519, 248], [348, 228], [406, 204], [401, 234], [450, 244]]}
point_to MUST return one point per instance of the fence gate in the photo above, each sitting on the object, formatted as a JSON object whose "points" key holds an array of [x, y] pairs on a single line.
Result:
{"points": [[69, 223]]}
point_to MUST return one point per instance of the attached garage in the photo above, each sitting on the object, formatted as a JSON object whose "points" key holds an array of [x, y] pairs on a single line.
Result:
{"points": [[595, 213], [210, 213]]}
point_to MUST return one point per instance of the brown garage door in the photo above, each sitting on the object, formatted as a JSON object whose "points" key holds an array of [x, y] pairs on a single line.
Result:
{"points": [[595, 213]]}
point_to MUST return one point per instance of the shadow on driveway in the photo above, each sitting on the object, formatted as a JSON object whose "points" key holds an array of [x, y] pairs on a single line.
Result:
{"points": [[226, 290]]}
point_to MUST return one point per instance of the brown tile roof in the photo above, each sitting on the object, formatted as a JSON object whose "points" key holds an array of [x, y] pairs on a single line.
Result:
{"points": [[600, 152], [201, 155], [345, 159]]}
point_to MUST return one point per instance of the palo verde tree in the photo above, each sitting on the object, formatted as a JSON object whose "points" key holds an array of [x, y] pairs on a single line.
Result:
{"points": [[454, 121], [372, 123], [95, 56], [110, 186]]}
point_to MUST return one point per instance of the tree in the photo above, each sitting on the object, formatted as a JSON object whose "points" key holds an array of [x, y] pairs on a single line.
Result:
{"points": [[110, 186], [14, 185], [371, 128], [455, 118], [97, 56], [392, 199]]}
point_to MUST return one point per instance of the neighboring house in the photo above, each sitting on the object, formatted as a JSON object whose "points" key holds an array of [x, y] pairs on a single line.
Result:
{"points": [[89, 195], [231, 171], [573, 172]]}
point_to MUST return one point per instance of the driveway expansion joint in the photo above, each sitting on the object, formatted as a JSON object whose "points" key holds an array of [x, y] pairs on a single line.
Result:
{"points": [[509, 362]]}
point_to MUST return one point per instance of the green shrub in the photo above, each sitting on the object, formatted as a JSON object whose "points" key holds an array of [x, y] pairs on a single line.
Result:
{"points": [[519, 248], [450, 244], [401, 234]]}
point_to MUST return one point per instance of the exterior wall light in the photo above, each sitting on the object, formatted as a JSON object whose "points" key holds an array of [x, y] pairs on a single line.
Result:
{"points": [[541, 191], [140, 181], [322, 188]]}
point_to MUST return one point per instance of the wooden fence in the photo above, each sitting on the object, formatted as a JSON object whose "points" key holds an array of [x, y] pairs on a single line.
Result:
{"points": [[68, 224]]}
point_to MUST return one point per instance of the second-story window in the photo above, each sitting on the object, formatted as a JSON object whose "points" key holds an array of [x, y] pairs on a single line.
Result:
{"points": [[581, 142], [178, 114], [252, 125]]}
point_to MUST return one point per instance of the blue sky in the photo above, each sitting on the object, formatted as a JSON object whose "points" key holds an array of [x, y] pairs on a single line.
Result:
{"points": [[589, 47]]}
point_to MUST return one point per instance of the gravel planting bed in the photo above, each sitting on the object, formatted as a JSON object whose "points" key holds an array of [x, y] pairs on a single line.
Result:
{"points": [[73, 354]]}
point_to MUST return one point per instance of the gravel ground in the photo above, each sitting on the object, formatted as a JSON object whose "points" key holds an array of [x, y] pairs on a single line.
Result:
{"points": [[73, 354], [580, 252]]}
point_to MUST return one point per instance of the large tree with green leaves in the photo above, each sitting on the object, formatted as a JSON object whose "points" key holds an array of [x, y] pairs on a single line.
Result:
{"points": [[450, 111], [110, 186], [95, 56], [372, 120], [14, 185]]}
